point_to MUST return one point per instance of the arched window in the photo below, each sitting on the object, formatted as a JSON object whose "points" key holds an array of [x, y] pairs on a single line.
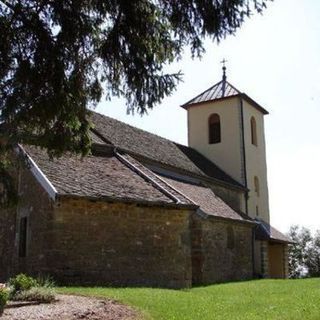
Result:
{"points": [[256, 186], [254, 131], [214, 129]]}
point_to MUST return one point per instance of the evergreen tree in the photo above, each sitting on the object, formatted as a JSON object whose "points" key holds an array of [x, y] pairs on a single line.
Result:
{"points": [[58, 58]]}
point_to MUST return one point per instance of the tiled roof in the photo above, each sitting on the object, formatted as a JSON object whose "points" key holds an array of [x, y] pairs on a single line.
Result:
{"points": [[157, 149], [221, 90], [118, 176], [157, 180], [95, 139], [205, 198], [96, 177], [266, 232]]}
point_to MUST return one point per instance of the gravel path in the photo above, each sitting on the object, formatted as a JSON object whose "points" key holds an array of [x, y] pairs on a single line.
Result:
{"points": [[70, 308]]}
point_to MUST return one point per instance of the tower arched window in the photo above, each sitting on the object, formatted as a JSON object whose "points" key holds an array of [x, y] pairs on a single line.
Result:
{"points": [[254, 139], [256, 186], [214, 129]]}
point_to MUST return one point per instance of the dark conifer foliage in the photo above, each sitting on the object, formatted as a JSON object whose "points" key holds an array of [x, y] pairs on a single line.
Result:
{"points": [[58, 58]]}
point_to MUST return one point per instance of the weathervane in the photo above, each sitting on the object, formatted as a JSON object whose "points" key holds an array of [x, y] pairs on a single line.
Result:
{"points": [[224, 68]]}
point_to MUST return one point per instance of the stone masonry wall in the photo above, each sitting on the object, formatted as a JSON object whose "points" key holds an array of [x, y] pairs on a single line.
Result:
{"points": [[221, 251], [119, 244], [34, 204], [7, 239], [80, 241]]}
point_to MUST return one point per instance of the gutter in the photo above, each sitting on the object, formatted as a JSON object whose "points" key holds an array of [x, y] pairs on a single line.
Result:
{"points": [[244, 156], [110, 199]]}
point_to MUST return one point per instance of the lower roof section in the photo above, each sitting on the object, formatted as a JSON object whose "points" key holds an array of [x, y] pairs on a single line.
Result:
{"points": [[96, 177], [119, 177], [266, 232], [209, 204]]}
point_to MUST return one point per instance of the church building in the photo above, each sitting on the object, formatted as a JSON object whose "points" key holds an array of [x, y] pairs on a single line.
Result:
{"points": [[142, 210]]}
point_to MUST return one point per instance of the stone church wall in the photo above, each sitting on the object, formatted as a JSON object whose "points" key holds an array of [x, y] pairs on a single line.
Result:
{"points": [[7, 240], [221, 250], [36, 206], [120, 244], [78, 241]]}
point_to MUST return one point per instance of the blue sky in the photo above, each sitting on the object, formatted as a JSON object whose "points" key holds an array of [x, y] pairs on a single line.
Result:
{"points": [[275, 59]]}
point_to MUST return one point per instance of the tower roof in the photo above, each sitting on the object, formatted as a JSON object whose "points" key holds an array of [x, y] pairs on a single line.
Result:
{"points": [[221, 90]]}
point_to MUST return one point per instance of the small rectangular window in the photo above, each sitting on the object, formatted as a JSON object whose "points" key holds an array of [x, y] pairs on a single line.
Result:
{"points": [[23, 237], [214, 129]]}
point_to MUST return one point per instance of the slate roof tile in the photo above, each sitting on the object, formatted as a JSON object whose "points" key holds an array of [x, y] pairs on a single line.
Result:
{"points": [[98, 177], [205, 198], [221, 90], [158, 180], [158, 149]]}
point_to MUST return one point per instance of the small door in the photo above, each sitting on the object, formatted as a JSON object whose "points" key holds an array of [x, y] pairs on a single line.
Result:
{"points": [[276, 260]]}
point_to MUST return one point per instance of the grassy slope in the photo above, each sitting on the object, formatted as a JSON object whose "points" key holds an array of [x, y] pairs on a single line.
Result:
{"points": [[260, 299]]}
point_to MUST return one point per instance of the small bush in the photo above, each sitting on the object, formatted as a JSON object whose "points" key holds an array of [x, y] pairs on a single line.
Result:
{"points": [[45, 282], [4, 296], [22, 282], [39, 294]]}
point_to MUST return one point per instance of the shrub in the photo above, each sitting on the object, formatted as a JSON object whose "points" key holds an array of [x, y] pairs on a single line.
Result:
{"points": [[38, 294], [45, 281], [22, 282], [4, 296]]}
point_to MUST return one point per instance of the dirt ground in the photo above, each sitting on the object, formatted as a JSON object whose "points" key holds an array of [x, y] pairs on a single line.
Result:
{"points": [[70, 308]]}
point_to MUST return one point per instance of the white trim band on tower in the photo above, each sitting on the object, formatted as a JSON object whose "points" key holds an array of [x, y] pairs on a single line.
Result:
{"points": [[39, 175]]}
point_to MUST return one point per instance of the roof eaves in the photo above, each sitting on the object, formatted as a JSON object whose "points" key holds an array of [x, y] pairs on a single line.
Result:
{"points": [[38, 174], [186, 106], [255, 104], [111, 199], [242, 220]]}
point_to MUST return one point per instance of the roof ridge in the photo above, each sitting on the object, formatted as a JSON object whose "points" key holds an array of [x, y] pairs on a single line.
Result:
{"points": [[233, 87]]}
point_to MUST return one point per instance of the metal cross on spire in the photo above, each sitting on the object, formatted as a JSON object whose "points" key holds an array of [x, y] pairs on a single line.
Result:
{"points": [[224, 68]]}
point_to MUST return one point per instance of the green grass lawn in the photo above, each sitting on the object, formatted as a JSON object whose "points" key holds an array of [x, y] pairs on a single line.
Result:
{"points": [[259, 299]]}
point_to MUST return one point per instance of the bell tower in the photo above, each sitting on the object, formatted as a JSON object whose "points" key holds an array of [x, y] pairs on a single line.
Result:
{"points": [[227, 127]]}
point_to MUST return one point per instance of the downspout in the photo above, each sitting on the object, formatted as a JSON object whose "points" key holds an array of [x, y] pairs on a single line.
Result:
{"points": [[246, 184], [244, 156]]}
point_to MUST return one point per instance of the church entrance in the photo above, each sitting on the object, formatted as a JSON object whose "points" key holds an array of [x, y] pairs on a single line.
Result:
{"points": [[276, 260]]}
